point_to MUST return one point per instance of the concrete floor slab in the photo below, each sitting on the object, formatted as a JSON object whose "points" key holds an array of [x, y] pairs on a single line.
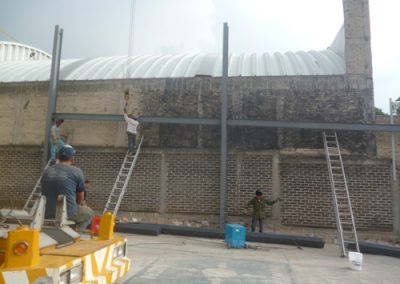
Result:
{"points": [[174, 259]]}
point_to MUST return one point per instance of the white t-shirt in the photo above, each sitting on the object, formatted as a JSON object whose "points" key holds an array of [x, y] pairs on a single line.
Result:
{"points": [[131, 124]]}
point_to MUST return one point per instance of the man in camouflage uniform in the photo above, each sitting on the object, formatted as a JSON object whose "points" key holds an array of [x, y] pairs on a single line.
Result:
{"points": [[258, 203]]}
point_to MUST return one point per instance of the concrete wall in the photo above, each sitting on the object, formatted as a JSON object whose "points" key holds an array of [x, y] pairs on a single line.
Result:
{"points": [[306, 98]]}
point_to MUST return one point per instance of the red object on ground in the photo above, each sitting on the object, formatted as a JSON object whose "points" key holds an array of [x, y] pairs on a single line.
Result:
{"points": [[95, 227]]}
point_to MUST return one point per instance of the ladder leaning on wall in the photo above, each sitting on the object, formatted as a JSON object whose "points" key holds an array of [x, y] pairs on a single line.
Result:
{"points": [[345, 224], [36, 192], [118, 190]]}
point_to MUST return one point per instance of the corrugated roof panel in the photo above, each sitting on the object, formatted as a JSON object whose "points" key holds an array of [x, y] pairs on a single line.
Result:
{"points": [[12, 51], [155, 68], [324, 62], [17, 64]]}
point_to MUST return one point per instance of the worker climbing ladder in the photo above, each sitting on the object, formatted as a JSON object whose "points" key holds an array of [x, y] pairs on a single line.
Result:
{"points": [[36, 192], [118, 190], [341, 200]]}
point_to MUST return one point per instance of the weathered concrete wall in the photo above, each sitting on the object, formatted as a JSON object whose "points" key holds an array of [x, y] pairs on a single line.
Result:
{"points": [[357, 38], [305, 98]]}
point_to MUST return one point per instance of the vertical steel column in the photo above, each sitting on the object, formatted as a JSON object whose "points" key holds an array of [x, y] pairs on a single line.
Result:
{"points": [[224, 115], [58, 62], [53, 90]]}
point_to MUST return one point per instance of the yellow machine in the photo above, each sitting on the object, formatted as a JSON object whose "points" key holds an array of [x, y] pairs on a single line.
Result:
{"points": [[34, 250]]}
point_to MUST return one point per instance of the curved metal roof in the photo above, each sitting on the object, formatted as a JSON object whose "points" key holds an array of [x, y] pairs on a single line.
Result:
{"points": [[12, 51], [326, 62]]}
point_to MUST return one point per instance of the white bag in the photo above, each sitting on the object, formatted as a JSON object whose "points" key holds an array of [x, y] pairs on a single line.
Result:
{"points": [[355, 260]]}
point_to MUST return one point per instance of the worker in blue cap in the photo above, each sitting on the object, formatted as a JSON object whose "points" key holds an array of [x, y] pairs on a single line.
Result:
{"points": [[65, 179]]}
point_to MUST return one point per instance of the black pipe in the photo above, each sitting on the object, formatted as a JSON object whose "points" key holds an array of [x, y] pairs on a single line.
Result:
{"points": [[155, 229], [373, 248]]}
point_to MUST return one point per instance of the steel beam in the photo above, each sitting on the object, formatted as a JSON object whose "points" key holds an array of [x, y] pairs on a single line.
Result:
{"points": [[88, 116], [224, 132], [177, 120], [242, 122], [142, 119], [316, 125]]}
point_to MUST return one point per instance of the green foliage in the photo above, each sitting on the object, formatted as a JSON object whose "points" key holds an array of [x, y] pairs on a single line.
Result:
{"points": [[379, 111]]}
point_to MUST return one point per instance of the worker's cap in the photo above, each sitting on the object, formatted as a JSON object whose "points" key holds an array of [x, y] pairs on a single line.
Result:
{"points": [[66, 152], [258, 192]]}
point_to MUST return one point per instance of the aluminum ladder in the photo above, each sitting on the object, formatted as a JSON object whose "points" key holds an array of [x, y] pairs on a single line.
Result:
{"points": [[36, 192], [340, 193], [118, 190]]}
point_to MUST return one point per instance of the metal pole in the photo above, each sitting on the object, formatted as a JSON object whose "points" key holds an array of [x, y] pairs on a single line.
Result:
{"points": [[58, 62], [53, 89], [224, 116], [391, 105]]}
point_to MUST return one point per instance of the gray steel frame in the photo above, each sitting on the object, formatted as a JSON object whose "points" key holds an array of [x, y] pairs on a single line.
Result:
{"points": [[224, 131], [53, 89], [223, 122], [237, 122]]}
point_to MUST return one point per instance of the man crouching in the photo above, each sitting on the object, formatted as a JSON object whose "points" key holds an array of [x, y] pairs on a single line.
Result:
{"points": [[66, 179]]}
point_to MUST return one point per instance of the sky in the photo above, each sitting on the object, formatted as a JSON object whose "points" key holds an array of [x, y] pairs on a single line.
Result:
{"points": [[101, 28]]}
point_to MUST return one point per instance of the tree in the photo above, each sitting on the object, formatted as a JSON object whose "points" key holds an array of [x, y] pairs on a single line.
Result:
{"points": [[379, 111]]}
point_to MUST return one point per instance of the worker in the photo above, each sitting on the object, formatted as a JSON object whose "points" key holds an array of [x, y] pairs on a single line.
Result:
{"points": [[258, 204], [88, 185], [66, 179], [56, 143], [132, 124]]}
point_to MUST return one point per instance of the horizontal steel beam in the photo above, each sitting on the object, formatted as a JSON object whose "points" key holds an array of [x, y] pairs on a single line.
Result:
{"points": [[142, 119], [241, 122], [317, 125], [88, 116], [178, 120]]}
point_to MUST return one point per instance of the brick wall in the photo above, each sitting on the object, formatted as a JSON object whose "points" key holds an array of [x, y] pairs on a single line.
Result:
{"points": [[248, 173], [306, 194], [19, 171], [193, 183], [371, 194], [308, 201], [187, 182], [142, 193]]}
